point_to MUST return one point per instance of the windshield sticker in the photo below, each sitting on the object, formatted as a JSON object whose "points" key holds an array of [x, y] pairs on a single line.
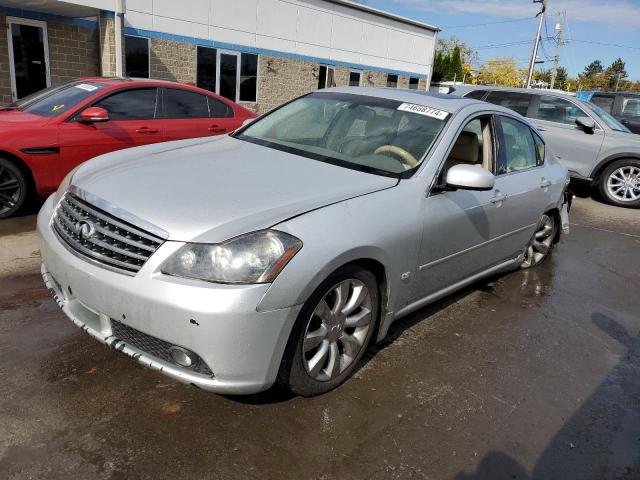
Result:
{"points": [[87, 87], [55, 108], [422, 110]]}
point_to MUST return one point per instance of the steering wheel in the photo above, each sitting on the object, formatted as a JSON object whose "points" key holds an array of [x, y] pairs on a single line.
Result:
{"points": [[404, 156]]}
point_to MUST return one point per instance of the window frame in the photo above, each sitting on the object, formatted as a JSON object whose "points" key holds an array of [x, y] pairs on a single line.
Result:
{"points": [[417, 83], [215, 67], [501, 141], [626, 98], [396, 82], [355, 72], [148, 53], [532, 108]]}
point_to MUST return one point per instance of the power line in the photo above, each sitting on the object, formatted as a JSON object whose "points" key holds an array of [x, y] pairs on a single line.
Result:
{"points": [[470, 25], [606, 44], [500, 45]]}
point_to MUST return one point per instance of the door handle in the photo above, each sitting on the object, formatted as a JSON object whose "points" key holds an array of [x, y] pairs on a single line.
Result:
{"points": [[147, 130], [217, 129], [545, 183], [499, 198]]}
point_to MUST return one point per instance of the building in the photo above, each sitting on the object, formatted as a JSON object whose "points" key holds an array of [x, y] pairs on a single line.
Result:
{"points": [[260, 53]]}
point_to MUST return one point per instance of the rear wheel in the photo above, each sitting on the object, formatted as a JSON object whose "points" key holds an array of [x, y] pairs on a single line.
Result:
{"points": [[620, 183], [541, 244], [332, 333], [13, 188]]}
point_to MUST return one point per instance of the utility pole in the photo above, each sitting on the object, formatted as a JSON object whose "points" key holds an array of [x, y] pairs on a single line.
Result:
{"points": [[536, 42], [559, 43]]}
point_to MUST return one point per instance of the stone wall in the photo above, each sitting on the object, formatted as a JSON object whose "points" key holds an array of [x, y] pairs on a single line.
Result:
{"points": [[5, 73], [74, 52], [174, 61]]}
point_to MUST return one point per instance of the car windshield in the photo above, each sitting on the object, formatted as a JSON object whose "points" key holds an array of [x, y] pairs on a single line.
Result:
{"points": [[611, 122], [56, 100], [375, 135]]}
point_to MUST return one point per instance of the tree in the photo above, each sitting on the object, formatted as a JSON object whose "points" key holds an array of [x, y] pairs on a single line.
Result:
{"points": [[468, 55], [593, 69], [502, 71], [615, 72], [561, 78], [455, 65]]}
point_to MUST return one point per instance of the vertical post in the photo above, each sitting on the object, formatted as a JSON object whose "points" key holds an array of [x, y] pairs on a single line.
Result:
{"points": [[556, 59], [536, 42], [433, 58], [117, 22]]}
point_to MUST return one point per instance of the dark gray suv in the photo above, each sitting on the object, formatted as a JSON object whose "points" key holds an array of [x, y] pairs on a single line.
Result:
{"points": [[595, 147], [624, 106]]}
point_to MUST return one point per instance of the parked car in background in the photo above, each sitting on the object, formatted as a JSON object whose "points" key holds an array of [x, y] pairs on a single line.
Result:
{"points": [[595, 147], [280, 252], [624, 106], [45, 135]]}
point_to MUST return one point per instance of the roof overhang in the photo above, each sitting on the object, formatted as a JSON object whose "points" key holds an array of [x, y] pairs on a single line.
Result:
{"points": [[382, 13], [73, 9]]}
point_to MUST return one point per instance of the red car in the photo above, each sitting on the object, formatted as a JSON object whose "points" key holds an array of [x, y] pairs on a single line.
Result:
{"points": [[45, 135]]}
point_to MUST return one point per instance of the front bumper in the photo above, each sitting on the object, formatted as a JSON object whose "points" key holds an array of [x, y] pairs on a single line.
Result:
{"points": [[241, 347]]}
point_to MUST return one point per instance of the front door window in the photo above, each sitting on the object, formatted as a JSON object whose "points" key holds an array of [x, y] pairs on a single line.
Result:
{"points": [[28, 57]]}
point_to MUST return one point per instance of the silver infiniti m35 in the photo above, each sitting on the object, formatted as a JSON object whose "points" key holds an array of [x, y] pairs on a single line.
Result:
{"points": [[279, 253]]}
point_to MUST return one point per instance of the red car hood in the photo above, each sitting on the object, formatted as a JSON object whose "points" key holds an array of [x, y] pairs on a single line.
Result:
{"points": [[16, 118]]}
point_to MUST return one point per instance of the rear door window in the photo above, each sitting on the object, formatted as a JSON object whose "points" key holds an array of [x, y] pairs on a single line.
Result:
{"points": [[631, 107], [135, 104], [184, 104], [476, 94], [219, 109], [516, 101], [558, 110]]}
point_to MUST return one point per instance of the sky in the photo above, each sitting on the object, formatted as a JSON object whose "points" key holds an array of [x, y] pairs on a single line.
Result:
{"points": [[613, 24]]}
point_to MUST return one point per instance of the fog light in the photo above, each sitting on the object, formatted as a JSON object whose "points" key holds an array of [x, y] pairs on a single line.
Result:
{"points": [[183, 357]]}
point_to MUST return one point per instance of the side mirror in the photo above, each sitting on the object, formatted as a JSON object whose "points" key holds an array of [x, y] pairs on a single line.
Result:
{"points": [[585, 123], [94, 115], [470, 177]]}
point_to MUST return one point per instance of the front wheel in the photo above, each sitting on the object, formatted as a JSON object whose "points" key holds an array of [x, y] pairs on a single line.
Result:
{"points": [[13, 189], [620, 183], [541, 244], [332, 332]]}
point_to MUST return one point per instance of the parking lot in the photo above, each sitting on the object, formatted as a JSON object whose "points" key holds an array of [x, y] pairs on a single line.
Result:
{"points": [[533, 374]]}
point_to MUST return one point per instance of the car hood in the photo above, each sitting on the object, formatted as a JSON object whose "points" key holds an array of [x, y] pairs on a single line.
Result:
{"points": [[16, 118], [209, 190]]}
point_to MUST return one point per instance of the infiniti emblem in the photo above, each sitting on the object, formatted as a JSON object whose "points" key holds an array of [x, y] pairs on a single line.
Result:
{"points": [[84, 229]]}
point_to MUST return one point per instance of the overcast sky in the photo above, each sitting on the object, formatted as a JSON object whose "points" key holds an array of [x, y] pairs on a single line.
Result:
{"points": [[611, 22]]}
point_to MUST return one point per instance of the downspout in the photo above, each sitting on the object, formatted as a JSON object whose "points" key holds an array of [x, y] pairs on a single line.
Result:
{"points": [[117, 21]]}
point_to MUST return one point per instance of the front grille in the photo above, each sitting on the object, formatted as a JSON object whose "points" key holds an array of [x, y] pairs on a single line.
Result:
{"points": [[153, 346], [102, 237]]}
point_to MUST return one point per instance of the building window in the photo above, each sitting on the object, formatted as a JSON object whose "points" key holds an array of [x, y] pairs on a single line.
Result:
{"points": [[248, 77], [392, 81], [326, 77], [354, 79], [413, 83], [136, 56], [206, 72]]}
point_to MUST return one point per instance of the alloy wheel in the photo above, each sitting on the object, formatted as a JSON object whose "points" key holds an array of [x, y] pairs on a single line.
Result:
{"points": [[623, 184], [337, 330], [10, 190], [541, 243]]}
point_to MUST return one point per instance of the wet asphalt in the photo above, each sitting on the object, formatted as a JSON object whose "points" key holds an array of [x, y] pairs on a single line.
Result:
{"points": [[530, 375]]}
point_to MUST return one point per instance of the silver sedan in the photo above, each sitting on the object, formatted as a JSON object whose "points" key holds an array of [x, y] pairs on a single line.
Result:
{"points": [[281, 252]]}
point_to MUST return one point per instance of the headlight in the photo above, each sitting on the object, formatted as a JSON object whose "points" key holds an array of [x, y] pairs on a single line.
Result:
{"points": [[256, 257], [64, 185]]}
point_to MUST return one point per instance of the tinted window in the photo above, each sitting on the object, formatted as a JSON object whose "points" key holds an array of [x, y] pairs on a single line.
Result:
{"points": [[206, 73], [541, 149], [55, 102], [136, 56], [517, 150], [248, 77], [559, 110], [476, 94], [354, 79], [631, 107], [413, 83], [218, 109], [139, 104], [392, 81], [184, 104], [604, 101], [516, 101]]}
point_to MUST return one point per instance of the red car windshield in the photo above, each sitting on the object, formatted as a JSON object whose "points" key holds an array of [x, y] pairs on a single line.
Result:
{"points": [[57, 100]]}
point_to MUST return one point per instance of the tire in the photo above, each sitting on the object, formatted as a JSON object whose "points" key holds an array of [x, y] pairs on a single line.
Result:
{"points": [[541, 244], [13, 189], [619, 183], [343, 338]]}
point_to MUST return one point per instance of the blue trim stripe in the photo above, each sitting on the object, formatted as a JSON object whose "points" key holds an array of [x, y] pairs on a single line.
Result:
{"points": [[44, 17], [275, 53]]}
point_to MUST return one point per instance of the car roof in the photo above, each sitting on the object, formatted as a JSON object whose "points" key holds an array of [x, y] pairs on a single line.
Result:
{"points": [[447, 103], [533, 91], [133, 80], [633, 94]]}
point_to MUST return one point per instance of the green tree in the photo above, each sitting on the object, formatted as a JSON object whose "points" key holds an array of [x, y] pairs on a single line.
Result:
{"points": [[615, 73], [593, 69], [501, 71], [455, 65]]}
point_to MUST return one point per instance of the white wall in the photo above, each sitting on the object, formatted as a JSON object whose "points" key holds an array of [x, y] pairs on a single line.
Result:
{"points": [[307, 27]]}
